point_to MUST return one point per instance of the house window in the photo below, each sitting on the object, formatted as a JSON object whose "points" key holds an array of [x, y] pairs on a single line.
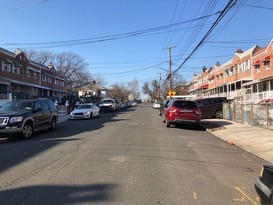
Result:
{"points": [[44, 78], [240, 68], [49, 79], [267, 65], [16, 70], [6, 66], [56, 81], [35, 75], [258, 68], [28, 73], [247, 65]]}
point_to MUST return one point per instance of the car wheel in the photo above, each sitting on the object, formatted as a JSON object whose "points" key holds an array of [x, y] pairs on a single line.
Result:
{"points": [[168, 124], [28, 131], [219, 114], [53, 124]]}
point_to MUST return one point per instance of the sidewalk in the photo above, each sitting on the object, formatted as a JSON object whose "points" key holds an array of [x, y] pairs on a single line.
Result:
{"points": [[63, 118], [258, 141]]}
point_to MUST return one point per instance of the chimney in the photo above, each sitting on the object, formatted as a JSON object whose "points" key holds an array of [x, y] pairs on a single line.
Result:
{"points": [[239, 51], [204, 69], [18, 51]]}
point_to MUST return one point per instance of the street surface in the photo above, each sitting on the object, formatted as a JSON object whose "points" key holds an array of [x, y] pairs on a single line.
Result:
{"points": [[126, 157]]}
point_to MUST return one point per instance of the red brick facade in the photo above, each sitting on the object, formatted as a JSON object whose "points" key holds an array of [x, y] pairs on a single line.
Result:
{"points": [[248, 76], [27, 79]]}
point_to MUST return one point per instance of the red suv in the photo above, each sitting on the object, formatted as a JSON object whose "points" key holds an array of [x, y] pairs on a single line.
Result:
{"points": [[181, 111]]}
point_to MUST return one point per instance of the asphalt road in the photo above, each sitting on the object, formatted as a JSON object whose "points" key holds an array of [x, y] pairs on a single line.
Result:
{"points": [[127, 157]]}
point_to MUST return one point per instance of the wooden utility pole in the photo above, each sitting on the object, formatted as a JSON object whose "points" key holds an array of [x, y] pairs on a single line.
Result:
{"points": [[170, 66]]}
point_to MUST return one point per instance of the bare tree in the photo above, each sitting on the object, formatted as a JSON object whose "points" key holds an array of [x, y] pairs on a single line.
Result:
{"points": [[69, 64], [42, 57], [133, 87], [151, 89], [119, 91]]}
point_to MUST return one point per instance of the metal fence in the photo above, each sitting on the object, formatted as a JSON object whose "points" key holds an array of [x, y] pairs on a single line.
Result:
{"points": [[255, 114]]}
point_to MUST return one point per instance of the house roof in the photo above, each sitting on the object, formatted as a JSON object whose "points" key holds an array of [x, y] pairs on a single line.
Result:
{"points": [[92, 86]]}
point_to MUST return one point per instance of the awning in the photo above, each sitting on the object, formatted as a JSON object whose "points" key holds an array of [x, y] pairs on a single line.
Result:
{"points": [[205, 86], [250, 83], [267, 58], [258, 62], [266, 78]]}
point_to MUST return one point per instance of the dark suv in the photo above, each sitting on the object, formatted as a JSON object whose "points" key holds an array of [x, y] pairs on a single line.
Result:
{"points": [[22, 118], [211, 107]]}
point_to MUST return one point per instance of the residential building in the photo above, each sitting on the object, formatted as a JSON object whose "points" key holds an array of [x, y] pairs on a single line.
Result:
{"points": [[248, 76], [93, 92], [21, 78]]}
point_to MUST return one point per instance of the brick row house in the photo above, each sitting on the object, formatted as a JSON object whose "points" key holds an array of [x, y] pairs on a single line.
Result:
{"points": [[247, 77], [25, 79]]}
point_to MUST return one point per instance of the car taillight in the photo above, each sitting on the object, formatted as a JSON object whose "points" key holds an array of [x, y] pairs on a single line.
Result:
{"points": [[197, 112], [172, 109]]}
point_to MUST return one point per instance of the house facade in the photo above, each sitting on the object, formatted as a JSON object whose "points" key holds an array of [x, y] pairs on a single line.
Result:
{"points": [[21, 78], [93, 92], [247, 77]]}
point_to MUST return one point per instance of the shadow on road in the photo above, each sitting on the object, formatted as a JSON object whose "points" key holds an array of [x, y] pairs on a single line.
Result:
{"points": [[59, 194]]}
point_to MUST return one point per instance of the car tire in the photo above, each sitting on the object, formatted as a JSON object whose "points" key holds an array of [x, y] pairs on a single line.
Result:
{"points": [[219, 114], [28, 131], [168, 124], [53, 124]]}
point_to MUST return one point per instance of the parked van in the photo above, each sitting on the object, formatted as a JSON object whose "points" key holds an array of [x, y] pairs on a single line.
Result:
{"points": [[211, 107]]}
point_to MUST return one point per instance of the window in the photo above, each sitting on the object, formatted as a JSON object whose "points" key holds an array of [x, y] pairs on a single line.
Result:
{"points": [[267, 65], [35, 75], [49, 79], [6, 66], [45, 106], [28, 73], [258, 68], [37, 105], [16, 70], [44, 78]]}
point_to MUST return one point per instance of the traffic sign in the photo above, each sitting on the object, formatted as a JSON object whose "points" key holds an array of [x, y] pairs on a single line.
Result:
{"points": [[172, 93]]}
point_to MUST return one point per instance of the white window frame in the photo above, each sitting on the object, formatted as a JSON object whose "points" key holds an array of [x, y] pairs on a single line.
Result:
{"points": [[28, 73]]}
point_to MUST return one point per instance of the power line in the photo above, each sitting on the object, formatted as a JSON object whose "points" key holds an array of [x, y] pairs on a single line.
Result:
{"points": [[74, 42], [230, 4]]}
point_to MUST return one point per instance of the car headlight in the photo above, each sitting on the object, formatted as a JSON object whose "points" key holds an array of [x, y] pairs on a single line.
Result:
{"points": [[87, 112], [16, 119]]}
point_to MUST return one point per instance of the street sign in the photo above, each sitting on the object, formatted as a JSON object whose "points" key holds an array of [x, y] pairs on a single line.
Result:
{"points": [[172, 93]]}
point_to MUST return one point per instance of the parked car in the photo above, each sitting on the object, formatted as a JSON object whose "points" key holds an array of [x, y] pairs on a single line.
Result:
{"points": [[107, 105], [182, 112], [162, 106], [211, 107], [85, 111], [264, 185], [23, 118], [156, 105]]}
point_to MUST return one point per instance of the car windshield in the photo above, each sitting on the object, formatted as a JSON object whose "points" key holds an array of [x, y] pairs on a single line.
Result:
{"points": [[185, 104], [15, 106], [105, 101], [84, 107]]}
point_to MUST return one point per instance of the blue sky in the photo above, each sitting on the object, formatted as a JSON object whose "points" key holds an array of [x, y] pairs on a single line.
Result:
{"points": [[159, 24]]}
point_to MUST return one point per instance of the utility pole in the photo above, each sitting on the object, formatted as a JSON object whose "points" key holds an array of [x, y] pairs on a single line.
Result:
{"points": [[170, 66], [159, 89]]}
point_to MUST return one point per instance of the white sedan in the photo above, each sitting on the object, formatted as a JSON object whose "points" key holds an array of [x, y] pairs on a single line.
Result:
{"points": [[85, 111], [156, 105]]}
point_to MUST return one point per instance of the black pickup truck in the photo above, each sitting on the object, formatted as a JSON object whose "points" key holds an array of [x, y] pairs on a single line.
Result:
{"points": [[24, 117]]}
